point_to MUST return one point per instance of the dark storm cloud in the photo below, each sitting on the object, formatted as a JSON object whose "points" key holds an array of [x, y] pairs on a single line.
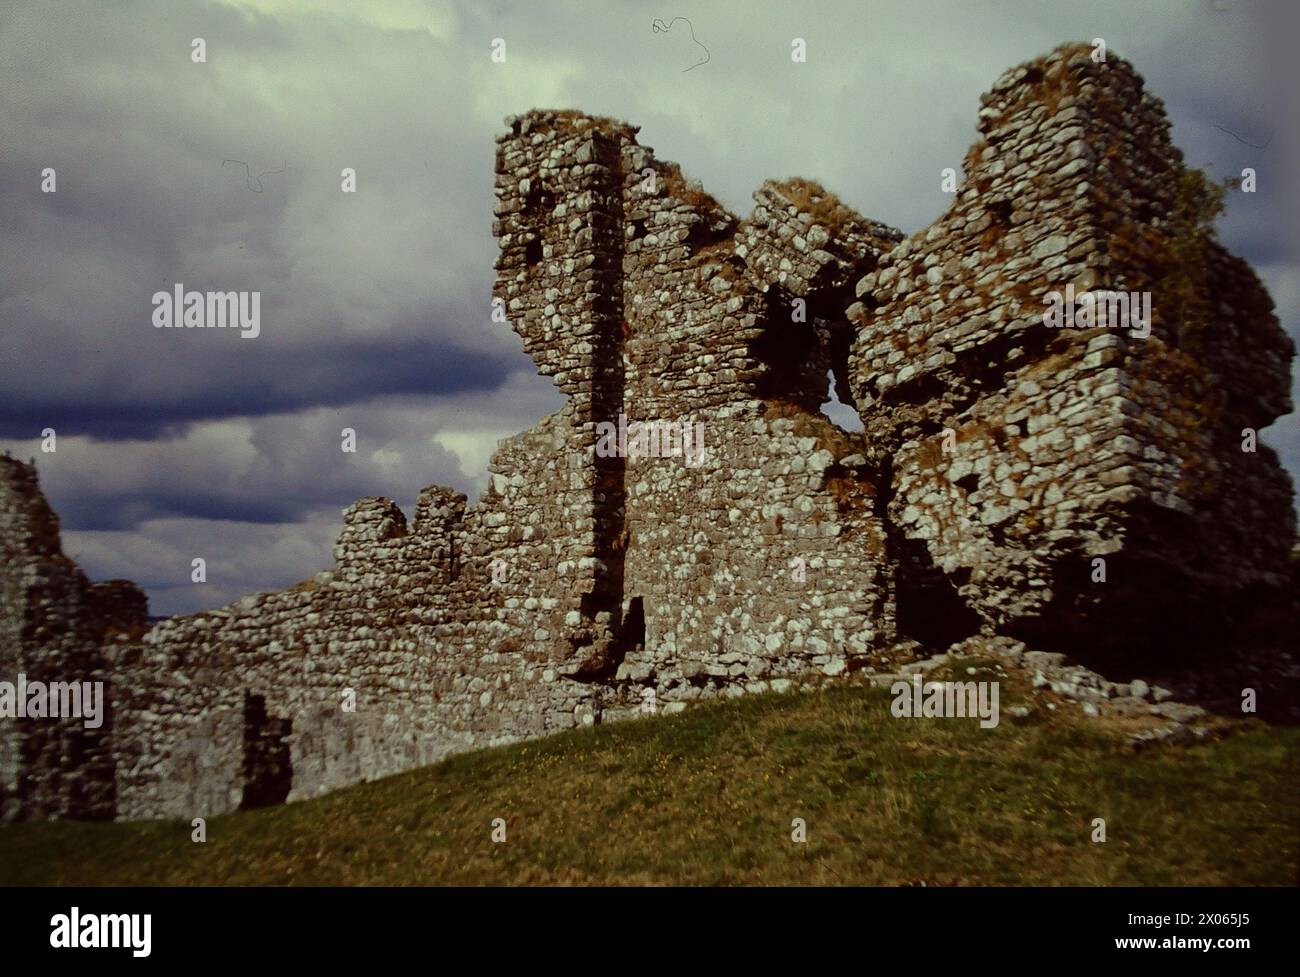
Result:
{"points": [[186, 383], [357, 301]]}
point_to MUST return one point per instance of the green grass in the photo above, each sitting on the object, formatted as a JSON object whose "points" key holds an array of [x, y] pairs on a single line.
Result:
{"points": [[707, 797]]}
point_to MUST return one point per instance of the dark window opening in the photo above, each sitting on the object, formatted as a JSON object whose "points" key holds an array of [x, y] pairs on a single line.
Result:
{"points": [[784, 349], [268, 768], [634, 624], [540, 199], [929, 608], [705, 232], [538, 205]]}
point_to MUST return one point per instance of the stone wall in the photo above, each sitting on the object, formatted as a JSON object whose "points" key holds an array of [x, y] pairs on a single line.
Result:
{"points": [[585, 585], [56, 627], [1074, 444]]}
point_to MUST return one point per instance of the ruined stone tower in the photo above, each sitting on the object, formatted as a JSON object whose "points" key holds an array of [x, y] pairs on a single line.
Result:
{"points": [[1000, 458], [1075, 444]]}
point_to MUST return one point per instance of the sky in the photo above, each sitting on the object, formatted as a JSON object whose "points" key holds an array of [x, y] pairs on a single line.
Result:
{"points": [[226, 175]]}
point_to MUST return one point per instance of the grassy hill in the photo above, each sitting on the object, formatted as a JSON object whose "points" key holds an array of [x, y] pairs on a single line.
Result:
{"points": [[708, 797]]}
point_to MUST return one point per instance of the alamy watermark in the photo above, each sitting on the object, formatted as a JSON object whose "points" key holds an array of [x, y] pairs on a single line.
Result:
{"points": [[208, 310], [1103, 309], [53, 700], [651, 439], [945, 700], [130, 931]]}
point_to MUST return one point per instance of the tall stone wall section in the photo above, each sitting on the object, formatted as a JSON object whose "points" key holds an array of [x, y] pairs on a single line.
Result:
{"points": [[768, 558], [697, 594], [582, 580], [1077, 444], [56, 627]]}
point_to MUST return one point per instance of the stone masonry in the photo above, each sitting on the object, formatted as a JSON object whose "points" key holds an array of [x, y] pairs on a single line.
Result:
{"points": [[1073, 444], [1000, 458]]}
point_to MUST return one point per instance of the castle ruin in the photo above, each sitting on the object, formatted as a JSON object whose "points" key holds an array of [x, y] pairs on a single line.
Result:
{"points": [[999, 459]]}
